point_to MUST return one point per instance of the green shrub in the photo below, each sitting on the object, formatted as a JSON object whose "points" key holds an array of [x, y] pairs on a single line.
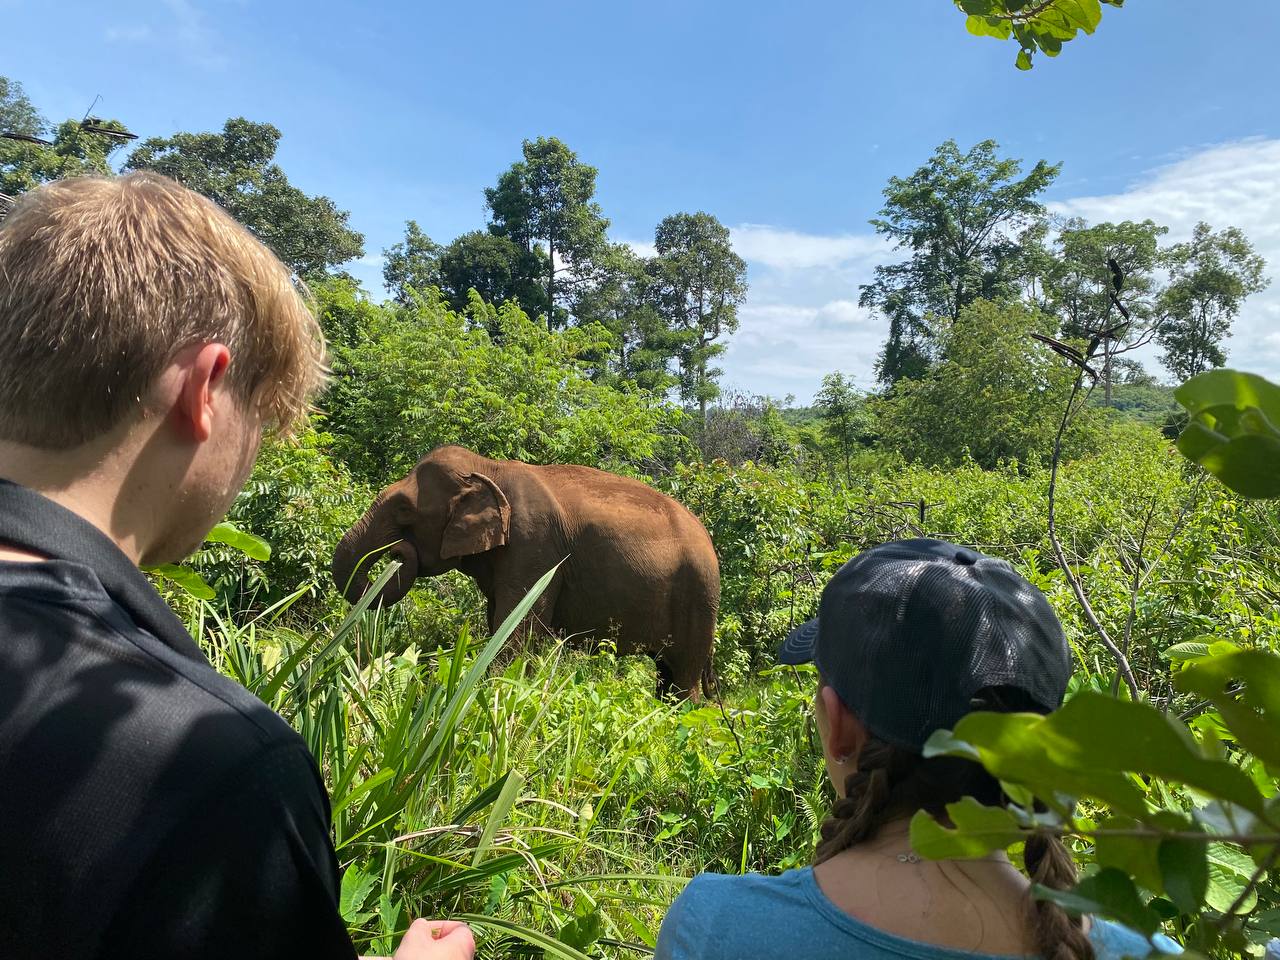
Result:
{"points": [[422, 376]]}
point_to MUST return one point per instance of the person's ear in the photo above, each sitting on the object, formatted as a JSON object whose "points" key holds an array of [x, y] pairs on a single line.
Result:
{"points": [[846, 733], [195, 401]]}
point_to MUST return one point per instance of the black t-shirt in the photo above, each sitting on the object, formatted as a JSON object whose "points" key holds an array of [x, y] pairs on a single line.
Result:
{"points": [[149, 807]]}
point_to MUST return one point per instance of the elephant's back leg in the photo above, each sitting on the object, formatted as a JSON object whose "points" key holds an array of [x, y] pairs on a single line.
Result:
{"points": [[688, 649]]}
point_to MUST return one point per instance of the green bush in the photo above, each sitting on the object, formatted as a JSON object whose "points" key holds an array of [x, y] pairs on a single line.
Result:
{"points": [[421, 376], [996, 397]]}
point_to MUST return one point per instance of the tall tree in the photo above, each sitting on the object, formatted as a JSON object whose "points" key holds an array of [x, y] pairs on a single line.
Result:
{"points": [[546, 200], [236, 169], [1210, 276], [17, 113], [699, 283], [495, 267], [620, 296], [965, 219], [413, 264], [846, 421], [1078, 284]]}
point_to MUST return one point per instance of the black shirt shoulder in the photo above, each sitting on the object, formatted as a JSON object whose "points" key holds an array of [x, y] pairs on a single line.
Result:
{"points": [[162, 809]]}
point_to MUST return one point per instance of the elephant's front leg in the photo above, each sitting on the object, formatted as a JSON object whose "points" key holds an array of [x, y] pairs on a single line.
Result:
{"points": [[536, 621]]}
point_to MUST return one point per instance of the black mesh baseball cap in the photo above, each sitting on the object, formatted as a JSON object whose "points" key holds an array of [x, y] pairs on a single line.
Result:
{"points": [[908, 632]]}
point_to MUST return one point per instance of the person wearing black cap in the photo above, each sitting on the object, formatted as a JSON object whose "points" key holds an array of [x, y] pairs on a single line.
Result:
{"points": [[910, 636]]}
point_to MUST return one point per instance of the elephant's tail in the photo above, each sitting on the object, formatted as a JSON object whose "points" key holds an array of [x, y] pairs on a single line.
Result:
{"points": [[710, 682]]}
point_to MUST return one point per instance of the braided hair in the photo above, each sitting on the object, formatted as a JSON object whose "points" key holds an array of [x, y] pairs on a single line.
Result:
{"points": [[892, 782]]}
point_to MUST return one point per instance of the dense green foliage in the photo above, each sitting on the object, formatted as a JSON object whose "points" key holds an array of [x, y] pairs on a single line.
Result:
{"points": [[236, 169], [420, 376], [554, 803], [997, 396], [964, 220]]}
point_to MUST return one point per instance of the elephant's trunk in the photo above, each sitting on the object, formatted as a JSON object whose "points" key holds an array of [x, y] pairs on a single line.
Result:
{"points": [[362, 546]]}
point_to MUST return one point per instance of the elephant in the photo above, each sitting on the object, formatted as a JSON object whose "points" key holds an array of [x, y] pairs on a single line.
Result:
{"points": [[638, 565]]}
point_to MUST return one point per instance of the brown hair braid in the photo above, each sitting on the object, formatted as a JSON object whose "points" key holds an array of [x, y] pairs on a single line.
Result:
{"points": [[1058, 935], [893, 782]]}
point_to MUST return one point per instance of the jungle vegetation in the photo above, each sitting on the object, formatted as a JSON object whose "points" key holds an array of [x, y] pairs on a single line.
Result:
{"points": [[554, 803]]}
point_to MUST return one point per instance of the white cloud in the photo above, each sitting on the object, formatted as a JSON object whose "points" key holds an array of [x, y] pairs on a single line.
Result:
{"points": [[784, 249], [642, 248]]}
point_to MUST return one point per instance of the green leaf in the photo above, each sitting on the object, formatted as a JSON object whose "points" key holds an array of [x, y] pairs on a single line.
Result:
{"points": [[943, 743], [1024, 60], [1136, 856], [535, 938], [988, 27], [978, 831], [1229, 873], [184, 578], [1190, 650], [1252, 713], [1108, 893], [586, 927], [1232, 432], [1086, 748], [1084, 14], [1184, 869], [356, 889], [253, 547], [498, 815]]}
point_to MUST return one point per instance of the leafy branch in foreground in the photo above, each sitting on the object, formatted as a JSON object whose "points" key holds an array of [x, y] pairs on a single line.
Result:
{"points": [[1037, 25], [1182, 819]]}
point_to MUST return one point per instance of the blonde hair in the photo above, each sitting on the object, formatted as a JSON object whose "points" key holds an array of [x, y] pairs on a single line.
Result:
{"points": [[893, 782], [103, 280]]}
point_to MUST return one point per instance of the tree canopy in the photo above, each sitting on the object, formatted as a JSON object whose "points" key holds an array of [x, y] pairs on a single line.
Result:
{"points": [[996, 397], [412, 265], [547, 199], [73, 149], [236, 169], [700, 282], [961, 219], [1210, 276]]}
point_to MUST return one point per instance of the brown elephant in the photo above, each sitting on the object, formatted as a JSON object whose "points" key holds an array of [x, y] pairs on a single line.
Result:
{"points": [[638, 566]]}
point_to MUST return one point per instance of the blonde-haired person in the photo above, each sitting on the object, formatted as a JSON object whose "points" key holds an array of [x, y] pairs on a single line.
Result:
{"points": [[910, 636], [151, 807]]}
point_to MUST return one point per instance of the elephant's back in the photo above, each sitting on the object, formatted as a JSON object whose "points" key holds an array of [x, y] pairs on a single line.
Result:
{"points": [[627, 516], [592, 491]]}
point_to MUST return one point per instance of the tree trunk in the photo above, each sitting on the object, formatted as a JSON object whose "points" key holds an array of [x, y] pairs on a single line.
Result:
{"points": [[551, 279]]}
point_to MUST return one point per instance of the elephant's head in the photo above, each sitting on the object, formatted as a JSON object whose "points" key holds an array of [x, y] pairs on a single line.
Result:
{"points": [[435, 516]]}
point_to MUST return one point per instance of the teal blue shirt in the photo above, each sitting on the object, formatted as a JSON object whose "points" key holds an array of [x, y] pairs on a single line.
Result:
{"points": [[721, 917]]}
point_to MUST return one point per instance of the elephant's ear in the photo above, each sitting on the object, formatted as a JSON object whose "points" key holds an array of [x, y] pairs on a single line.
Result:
{"points": [[479, 518]]}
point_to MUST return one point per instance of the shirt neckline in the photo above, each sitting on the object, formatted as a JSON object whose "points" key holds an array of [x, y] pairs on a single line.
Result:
{"points": [[33, 522], [889, 941]]}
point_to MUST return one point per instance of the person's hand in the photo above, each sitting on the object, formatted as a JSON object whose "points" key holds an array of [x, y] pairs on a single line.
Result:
{"points": [[437, 940]]}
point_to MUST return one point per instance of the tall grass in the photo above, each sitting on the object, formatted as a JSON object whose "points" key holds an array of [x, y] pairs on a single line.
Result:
{"points": [[556, 806]]}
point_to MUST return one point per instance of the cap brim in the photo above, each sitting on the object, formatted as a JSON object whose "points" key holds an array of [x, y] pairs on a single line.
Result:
{"points": [[800, 643]]}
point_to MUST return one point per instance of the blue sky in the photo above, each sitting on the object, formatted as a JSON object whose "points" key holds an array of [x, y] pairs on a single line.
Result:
{"points": [[783, 120]]}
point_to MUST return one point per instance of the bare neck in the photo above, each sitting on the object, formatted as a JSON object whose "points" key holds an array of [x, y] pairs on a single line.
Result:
{"points": [[975, 905], [94, 482]]}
